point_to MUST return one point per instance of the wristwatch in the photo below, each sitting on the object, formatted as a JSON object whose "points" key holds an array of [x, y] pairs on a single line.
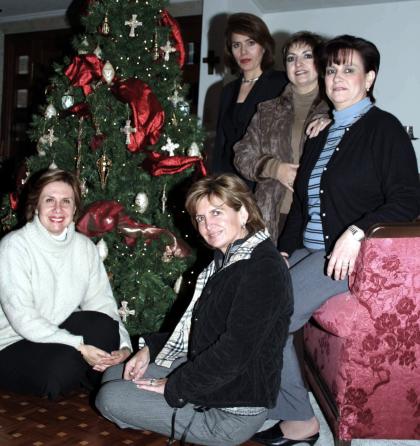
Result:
{"points": [[356, 232]]}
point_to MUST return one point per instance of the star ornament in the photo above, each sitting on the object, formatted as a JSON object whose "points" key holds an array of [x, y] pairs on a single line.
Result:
{"points": [[170, 147]]}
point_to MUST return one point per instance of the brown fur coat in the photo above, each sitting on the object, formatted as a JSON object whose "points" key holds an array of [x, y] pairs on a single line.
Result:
{"points": [[269, 136]]}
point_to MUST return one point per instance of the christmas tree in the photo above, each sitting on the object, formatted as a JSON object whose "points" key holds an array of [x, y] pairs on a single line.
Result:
{"points": [[115, 115]]}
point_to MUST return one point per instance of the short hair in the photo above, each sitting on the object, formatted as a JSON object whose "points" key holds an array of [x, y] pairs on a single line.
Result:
{"points": [[253, 27], [232, 191], [42, 178], [314, 41], [339, 50]]}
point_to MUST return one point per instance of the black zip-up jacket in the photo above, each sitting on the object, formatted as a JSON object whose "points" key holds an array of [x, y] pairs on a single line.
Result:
{"points": [[239, 327], [372, 177]]}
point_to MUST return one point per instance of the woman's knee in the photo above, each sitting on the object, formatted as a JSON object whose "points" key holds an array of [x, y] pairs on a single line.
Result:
{"points": [[110, 402], [97, 329]]}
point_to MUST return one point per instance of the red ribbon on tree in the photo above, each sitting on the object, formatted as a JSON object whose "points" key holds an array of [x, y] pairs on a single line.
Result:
{"points": [[83, 70], [14, 200], [105, 216], [158, 164], [82, 109], [148, 114], [168, 20]]}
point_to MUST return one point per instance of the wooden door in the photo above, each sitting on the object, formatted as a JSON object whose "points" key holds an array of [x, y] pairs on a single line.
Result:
{"points": [[28, 67]]}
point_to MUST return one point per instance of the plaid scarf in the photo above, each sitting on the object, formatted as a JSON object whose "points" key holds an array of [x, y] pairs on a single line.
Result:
{"points": [[177, 345]]}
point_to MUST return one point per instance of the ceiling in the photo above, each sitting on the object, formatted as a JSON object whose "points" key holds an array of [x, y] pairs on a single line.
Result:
{"points": [[16, 10]]}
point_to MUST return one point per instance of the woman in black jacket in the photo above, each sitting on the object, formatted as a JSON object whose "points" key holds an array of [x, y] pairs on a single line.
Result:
{"points": [[360, 171], [249, 50], [212, 380]]}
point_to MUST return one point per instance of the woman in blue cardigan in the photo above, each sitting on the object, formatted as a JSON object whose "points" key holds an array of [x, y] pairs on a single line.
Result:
{"points": [[359, 171]]}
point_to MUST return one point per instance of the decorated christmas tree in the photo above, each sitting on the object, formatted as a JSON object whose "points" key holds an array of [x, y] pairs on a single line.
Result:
{"points": [[115, 115]]}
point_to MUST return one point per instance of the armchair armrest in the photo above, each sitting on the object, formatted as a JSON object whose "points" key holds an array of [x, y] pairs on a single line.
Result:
{"points": [[394, 230]]}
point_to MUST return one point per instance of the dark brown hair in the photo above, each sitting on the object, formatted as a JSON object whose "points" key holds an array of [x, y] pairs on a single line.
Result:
{"points": [[40, 179], [340, 49], [232, 191], [253, 27], [314, 41]]}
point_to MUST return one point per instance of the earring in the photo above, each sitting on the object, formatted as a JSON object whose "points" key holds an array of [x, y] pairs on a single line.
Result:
{"points": [[367, 89], [243, 225], [36, 211]]}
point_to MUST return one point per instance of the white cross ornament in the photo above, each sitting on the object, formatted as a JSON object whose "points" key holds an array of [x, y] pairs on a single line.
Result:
{"points": [[49, 138], [124, 311], [127, 130], [167, 49], [170, 147], [175, 98], [133, 24]]}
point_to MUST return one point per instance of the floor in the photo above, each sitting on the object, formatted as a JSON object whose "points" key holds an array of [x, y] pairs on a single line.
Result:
{"points": [[71, 421], [31, 421]]}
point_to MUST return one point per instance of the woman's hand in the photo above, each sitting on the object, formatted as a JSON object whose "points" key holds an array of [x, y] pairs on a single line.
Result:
{"points": [[286, 174], [152, 384], [117, 357], [316, 126], [137, 365], [93, 355], [343, 257]]}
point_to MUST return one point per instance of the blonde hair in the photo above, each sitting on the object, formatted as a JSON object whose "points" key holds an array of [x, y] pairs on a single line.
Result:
{"points": [[232, 191]]}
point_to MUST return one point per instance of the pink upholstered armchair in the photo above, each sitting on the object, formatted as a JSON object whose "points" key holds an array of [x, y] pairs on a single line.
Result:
{"points": [[362, 348]]}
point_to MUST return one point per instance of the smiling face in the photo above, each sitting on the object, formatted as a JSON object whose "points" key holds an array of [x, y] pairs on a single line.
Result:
{"points": [[56, 207], [347, 83], [248, 55], [300, 68], [219, 224]]}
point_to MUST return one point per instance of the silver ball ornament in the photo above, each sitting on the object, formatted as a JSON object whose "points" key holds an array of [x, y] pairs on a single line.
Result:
{"points": [[142, 202]]}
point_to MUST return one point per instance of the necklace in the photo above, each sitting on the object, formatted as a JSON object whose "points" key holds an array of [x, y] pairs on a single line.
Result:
{"points": [[250, 80]]}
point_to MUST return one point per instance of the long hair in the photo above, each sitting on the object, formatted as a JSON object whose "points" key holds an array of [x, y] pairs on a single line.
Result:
{"points": [[40, 179], [232, 191]]}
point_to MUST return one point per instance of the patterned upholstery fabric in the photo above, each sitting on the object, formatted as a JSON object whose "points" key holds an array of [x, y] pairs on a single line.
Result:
{"points": [[365, 344]]}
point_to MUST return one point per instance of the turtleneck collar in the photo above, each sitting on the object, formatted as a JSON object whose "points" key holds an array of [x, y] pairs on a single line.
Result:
{"points": [[45, 240], [349, 114]]}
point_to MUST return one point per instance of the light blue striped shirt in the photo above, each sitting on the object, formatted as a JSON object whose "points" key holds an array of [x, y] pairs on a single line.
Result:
{"points": [[313, 237]]}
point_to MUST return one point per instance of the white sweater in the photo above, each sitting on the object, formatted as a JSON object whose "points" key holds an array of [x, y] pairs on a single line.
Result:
{"points": [[43, 281]]}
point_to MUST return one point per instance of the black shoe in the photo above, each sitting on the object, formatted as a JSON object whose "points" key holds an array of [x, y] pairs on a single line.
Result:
{"points": [[275, 437]]}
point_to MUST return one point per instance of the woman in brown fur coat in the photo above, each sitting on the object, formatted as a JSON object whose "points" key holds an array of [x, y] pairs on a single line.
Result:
{"points": [[269, 152]]}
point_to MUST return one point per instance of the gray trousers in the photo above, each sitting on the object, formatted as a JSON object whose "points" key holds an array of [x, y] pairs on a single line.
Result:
{"points": [[129, 407], [311, 288]]}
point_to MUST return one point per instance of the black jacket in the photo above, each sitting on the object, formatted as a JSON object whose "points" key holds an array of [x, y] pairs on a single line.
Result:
{"points": [[270, 84], [239, 327], [371, 178]]}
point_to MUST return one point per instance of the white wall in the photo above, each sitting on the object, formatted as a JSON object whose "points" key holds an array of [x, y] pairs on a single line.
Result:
{"points": [[393, 27]]}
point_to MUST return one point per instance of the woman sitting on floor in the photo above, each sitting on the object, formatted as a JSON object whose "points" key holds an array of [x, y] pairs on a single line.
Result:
{"points": [[59, 323], [212, 380]]}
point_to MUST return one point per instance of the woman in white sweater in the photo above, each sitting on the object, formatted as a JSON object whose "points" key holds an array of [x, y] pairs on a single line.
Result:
{"points": [[59, 323]]}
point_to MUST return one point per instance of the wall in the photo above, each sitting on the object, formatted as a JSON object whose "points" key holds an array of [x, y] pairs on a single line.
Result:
{"points": [[395, 30], [393, 27]]}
